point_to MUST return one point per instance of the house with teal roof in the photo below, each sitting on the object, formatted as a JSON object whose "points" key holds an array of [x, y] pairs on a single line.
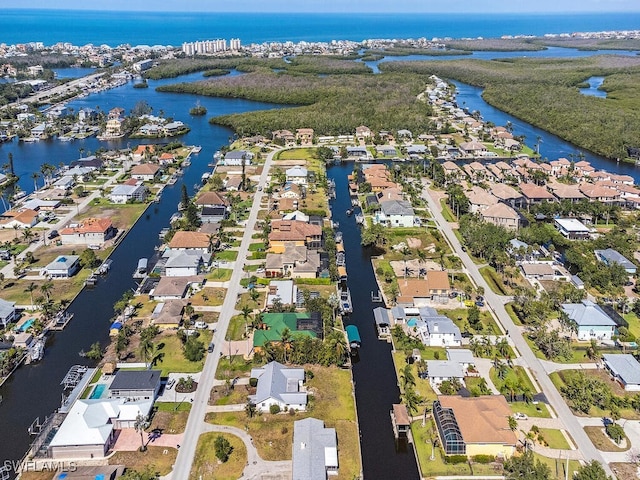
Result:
{"points": [[273, 324]]}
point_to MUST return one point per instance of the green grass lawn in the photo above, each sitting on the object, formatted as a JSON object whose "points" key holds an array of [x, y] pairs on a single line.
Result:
{"points": [[220, 274], [516, 374], [509, 308], [554, 438], [423, 387], [226, 255], [540, 409], [173, 359], [460, 315], [493, 280], [558, 466], [236, 366], [206, 465], [296, 154], [446, 211], [254, 247], [236, 328]]}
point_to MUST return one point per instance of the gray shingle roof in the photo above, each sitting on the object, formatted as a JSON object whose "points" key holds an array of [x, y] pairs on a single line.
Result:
{"points": [[625, 366], [314, 449], [396, 207], [279, 382], [444, 369], [587, 314], [135, 380], [610, 256]]}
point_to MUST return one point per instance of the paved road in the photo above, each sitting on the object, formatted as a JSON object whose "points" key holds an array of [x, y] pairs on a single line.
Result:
{"points": [[589, 452], [195, 424]]}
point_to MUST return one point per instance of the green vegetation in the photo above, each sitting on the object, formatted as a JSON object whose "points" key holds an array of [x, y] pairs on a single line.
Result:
{"points": [[205, 464], [554, 438], [520, 85], [601, 440]]}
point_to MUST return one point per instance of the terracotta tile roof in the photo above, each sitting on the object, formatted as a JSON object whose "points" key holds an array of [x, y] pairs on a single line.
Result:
{"points": [[595, 191], [500, 210], [183, 239], [292, 230], [482, 419], [211, 198], [145, 169], [90, 225], [504, 192], [141, 149], [24, 216], [530, 190]]}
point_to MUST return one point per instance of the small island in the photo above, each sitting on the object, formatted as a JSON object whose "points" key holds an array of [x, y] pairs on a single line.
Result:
{"points": [[198, 110]]}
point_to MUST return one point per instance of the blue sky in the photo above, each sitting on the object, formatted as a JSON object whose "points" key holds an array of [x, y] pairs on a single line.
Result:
{"points": [[399, 6]]}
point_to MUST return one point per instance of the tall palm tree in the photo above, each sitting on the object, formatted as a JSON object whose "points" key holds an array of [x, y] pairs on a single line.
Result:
{"points": [[31, 288], [141, 425], [407, 379], [35, 176], [46, 288]]}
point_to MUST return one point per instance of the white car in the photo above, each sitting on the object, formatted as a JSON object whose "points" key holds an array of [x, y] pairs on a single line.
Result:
{"points": [[520, 416]]}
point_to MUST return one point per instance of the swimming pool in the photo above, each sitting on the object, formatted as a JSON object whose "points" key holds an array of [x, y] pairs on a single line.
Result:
{"points": [[25, 326], [98, 391]]}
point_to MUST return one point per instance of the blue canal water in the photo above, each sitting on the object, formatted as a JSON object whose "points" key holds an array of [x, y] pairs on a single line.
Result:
{"points": [[594, 88], [34, 390]]}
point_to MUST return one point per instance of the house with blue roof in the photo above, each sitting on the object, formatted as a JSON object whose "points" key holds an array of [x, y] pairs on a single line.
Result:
{"points": [[591, 320], [610, 256], [279, 385]]}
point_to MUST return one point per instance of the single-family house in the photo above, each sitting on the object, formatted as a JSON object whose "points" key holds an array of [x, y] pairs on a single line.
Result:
{"points": [[212, 199], [122, 194], [199, 241], [439, 371], [135, 384], [64, 266], [91, 231], [297, 175], [285, 232], [572, 228], [304, 136], [283, 291], [463, 356], [237, 158], [147, 172], [538, 271], [143, 152], [395, 213], [475, 425], [279, 385], [417, 291], [273, 324], [591, 320], [20, 218], [610, 256], [625, 369], [185, 263], [438, 331], [315, 450], [7, 312], [296, 261], [533, 194], [175, 288], [168, 315]]}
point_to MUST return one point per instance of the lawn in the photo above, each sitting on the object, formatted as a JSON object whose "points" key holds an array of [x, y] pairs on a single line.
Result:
{"points": [[153, 457], [220, 275], [437, 467], [460, 315], [295, 154], [509, 308], [423, 387], [493, 280], [210, 296], [236, 328], [122, 216], [558, 466], [531, 409], [554, 438], [446, 211], [256, 247], [226, 255], [173, 359], [601, 440], [332, 402], [236, 366], [170, 417], [206, 465], [516, 374]]}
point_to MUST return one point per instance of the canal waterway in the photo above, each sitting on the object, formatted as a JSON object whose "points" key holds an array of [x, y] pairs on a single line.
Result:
{"points": [[34, 390], [594, 88], [376, 383]]}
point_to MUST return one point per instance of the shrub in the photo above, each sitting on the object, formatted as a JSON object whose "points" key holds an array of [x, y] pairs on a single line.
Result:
{"points": [[273, 409], [284, 430], [483, 458], [253, 382], [223, 448], [455, 459], [615, 431]]}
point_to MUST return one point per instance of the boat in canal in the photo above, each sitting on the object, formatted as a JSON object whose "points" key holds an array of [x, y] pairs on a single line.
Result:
{"points": [[36, 352], [353, 337], [346, 306], [141, 269]]}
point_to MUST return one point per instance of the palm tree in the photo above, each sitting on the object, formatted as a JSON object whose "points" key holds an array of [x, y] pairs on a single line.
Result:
{"points": [[513, 424], [246, 311], [46, 288], [145, 348], [411, 400], [141, 425], [34, 177], [31, 288], [407, 379], [285, 339], [502, 346]]}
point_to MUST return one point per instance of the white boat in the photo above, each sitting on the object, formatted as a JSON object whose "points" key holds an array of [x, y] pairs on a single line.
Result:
{"points": [[37, 351], [205, 177], [141, 269], [196, 149]]}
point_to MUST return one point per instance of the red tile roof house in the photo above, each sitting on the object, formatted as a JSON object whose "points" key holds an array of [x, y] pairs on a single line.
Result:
{"points": [[92, 231], [146, 172], [533, 194]]}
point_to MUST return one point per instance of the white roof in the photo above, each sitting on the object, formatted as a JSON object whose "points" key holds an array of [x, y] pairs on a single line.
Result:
{"points": [[296, 172], [89, 421], [571, 225]]}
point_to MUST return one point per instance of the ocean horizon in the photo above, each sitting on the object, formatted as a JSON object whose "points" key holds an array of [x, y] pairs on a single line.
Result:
{"points": [[113, 28]]}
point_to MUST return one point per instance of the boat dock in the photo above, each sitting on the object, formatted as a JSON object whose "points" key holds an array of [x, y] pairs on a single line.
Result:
{"points": [[353, 337], [60, 321], [105, 267]]}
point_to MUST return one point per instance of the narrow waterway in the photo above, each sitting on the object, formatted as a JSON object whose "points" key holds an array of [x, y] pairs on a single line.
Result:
{"points": [[34, 390], [376, 384]]}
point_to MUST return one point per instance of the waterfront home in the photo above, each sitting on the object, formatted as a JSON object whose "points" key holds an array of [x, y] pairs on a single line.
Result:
{"points": [[39, 205], [395, 213], [386, 151], [212, 214], [135, 384], [184, 263], [315, 450], [416, 291], [572, 228], [116, 112], [286, 137], [472, 148], [212, 199], [293, 232], [168, 315], [439, 371], [237, 158], [382, 318], [64, 266], [296, 262], [625, 369], [175, 288], [501, 215], [172, 128], [358, 152], [591, 320], [463, 356], [297, 175], [232, 183], [610, 256], [475, 425], [438, 331], [533, 194], [284, 292], [19, 218], [143, 152], [202, 242], [91, 231], [304, 136], [279, 385], [273, 324], [90, 427], [7, 312], [122, 194], [39, 131], [147, 172]]}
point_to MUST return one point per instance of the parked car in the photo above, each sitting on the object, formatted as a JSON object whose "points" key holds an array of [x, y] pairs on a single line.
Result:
{"points": [[520, 416], [479, 303], [170, 383], [53, 234], [210, 349]]}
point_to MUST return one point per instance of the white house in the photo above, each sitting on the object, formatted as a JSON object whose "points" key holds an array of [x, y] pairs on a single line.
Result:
{"points": [[122, 194], [92, 231], [572, 228], [184, 263], [7, 312], [438, 331], [395, 213], [592, 321], [297, 175], [279, 385], [439, 371], [64, 266], [284, 290], [237, 158], [625, 369]]}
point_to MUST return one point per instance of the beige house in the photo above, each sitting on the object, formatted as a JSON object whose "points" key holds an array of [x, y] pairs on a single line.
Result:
{"points": [[501, 215]]}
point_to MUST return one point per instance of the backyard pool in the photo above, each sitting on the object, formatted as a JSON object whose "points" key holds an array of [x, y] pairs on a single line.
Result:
{"points": [[98, 391], [25, 326]]}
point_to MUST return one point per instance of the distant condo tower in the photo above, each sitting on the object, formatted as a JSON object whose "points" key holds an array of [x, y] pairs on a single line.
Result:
{"points": [[210, 46]]}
